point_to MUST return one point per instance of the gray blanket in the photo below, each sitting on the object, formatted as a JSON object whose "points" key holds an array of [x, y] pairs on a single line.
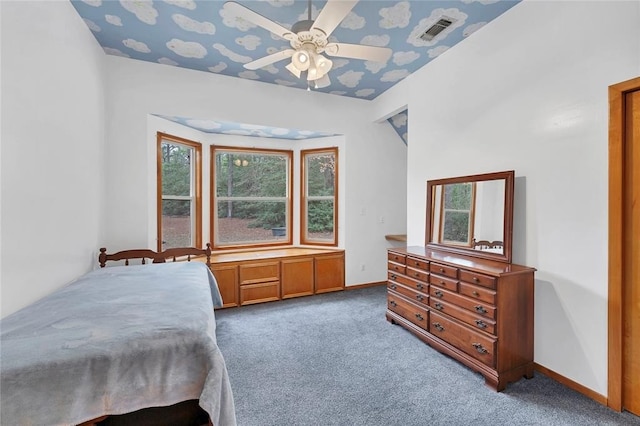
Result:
{"points": [[114, 341]]}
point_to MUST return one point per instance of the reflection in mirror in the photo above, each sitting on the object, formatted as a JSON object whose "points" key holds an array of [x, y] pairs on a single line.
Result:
{"points": [[468, 213]]}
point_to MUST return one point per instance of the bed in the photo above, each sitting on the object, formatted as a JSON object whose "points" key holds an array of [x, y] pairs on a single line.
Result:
{"points": [[115, 341]]}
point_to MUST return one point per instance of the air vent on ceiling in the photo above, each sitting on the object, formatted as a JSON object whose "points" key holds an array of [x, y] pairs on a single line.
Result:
{"points": [[437, 28]]}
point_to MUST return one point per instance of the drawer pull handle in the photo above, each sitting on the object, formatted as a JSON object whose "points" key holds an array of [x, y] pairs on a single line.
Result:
{"points": [[442, 270], [476, 279], [419, 297], [480, 309], [481, 324], [417, 274], [393, 303], [479, 348], [438, 293], [442, 283], [439, 306], [438, 326], [475, 293], [394, 276], [419, 316], [393, 286], [419, 286]]}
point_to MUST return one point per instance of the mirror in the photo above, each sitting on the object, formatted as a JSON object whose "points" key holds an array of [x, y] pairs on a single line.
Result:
{"points": [[472, 215]]}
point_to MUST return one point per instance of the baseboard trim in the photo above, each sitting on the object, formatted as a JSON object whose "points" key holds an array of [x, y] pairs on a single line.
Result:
{"points": [[365, 285], [571, 384]]}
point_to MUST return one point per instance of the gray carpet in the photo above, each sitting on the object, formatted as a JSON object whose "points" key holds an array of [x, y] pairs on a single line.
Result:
{"points": [[333, 359]]}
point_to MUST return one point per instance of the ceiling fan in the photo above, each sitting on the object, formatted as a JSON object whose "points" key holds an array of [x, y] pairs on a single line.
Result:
{"points": [[309, 40]]}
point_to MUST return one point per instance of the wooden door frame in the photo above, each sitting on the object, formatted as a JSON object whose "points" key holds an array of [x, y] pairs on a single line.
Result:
{"points": [[616, 237]]}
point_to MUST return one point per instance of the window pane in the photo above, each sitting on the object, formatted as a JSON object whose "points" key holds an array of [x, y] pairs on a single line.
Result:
{"points": [[251, 221], [457, 196], [320, 220], [456, 227], [320, 171], [176, 223], [242, 174], [176, 169]]}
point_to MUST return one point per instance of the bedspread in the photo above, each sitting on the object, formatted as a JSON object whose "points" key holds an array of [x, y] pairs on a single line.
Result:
{"points": [[114, 341]]}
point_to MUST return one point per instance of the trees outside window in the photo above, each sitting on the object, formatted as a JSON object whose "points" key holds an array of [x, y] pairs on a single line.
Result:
{"points": [[319, 196], [179, 192]]}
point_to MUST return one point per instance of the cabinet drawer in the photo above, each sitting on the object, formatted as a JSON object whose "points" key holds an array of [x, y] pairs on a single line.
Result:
{"points": [[417, 274], [416, 296], [479, 279], [478, 307], [471, 342], [261, 292], [463, 315], [397, 257], [417, 285], [417, 263], [448, 283], [414, 313], [251, 273], [447, 271], [392, 266], [479, 293]]}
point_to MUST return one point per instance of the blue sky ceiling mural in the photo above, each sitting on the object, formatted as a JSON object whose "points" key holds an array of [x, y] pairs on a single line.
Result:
{"points": [[201, 35]]}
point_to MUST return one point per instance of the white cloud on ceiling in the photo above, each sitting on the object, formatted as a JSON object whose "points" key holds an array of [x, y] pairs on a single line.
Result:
{"points": [[167, 61], [218, 68], [249, 42], [279, 3], [353, 22], [138, 46], [238, 132], [480, 1], [437, 51], [94, 3], [425, 23], [473, 28], [399, 120], [305, 15], [115, 52], [233, 21], [185, 4], [351, 78], [113, 20], [143, 9], [395, 75], [376, 40], [271, 69], [363, 93], [339, 63], [374, 67], [404, 58], [284, 82], [92, 25], [279, 131], [203, 124], [187, 49], [235, 57], [251, 75], [192, 25], [397, 16]]}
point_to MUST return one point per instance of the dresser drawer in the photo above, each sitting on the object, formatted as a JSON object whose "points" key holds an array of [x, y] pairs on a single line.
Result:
{"points": [[447, 271], [417, 263], [479, 293], [478, 307], [409, 293], [258, 293], [251, 273], [412, 312], [471, 342], [417, 274], [479, 279], [397, 257], [448, 283], [396, 267], [417, 285], [464, 315]]}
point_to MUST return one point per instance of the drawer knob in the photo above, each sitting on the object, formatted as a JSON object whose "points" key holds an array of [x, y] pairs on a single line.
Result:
{"points": [[476, 279], [438, 326], [417, 274], [479, 348], [393, 286], [419, 316], [441, 269], [394, 276], [419, 297], [475, 293], [393, 303], [480, 309], [481, 324], [438, 293], [419, 286], [439, 306]]}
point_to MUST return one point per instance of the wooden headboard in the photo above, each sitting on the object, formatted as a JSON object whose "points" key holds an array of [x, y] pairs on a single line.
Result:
{"points": [[156, 257]]}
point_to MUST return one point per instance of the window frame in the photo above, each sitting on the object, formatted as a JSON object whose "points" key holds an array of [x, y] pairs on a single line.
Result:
{"points": [[304, 198], [195, 187], [471, 211], [213, 202]]}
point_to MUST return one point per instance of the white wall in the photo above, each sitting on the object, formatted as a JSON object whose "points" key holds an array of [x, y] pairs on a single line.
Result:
{"points": [[529, 92], [374, 156], [52, 149]]}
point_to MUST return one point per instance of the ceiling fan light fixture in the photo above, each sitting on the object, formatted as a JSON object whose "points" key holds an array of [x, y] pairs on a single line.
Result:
{"points": [[293, 70]]}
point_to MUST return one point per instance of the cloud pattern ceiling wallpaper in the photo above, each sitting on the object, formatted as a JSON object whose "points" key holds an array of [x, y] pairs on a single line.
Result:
{"points": [[202, 35]]}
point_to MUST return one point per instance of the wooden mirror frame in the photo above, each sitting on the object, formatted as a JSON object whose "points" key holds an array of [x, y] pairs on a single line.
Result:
{"points": [[507, 233]]}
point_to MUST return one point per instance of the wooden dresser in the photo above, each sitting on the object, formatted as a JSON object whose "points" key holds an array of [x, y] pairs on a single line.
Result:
{"points": [[477, 311], [255, 276]]}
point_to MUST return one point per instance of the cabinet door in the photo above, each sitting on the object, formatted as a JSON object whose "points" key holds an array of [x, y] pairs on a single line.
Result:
{"points": [[297, 277], [329, 272], [227, 278]]}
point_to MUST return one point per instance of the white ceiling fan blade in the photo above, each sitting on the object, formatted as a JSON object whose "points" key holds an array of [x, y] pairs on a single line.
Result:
{"points": [[259, 20], [269, 59], [358, 51], [332, 14]]}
